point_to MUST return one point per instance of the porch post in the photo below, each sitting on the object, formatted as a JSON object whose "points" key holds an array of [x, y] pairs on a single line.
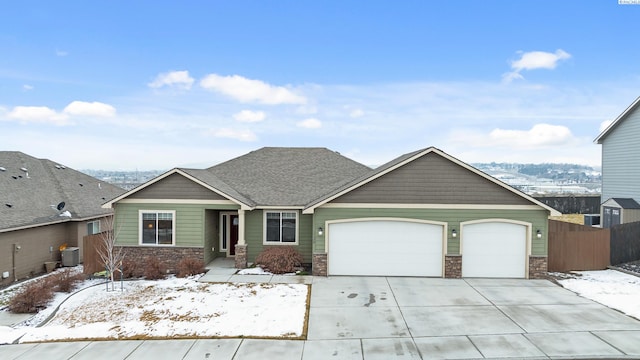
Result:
{"points": [[241, 246]]}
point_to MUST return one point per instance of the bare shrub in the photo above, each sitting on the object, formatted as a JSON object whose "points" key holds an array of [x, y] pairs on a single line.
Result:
{"points": [[32, 297], [280, 259], [132, 269], [65, 280], [154, 269], [190, 266]]}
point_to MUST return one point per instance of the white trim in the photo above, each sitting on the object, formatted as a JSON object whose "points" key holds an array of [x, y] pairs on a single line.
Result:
{"points": [[430, 206], [311, 209], [614, 123], [57, 222], [93, 222], [177, 201], [444, 225], [528, 225], [264, 227], [173, 227], [278, 207]]}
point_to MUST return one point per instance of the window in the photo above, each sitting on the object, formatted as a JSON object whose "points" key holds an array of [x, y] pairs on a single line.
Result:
{"points": [[157, 227], [93, 227], [281, 227]]}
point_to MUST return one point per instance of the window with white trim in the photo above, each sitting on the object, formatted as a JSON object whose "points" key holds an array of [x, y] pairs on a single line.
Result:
{"points": [[281, 227], [93, 227], [157, 227]]}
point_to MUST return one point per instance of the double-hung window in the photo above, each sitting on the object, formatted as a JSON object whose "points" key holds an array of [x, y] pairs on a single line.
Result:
{"points": [[157, 227], [281, 227]]}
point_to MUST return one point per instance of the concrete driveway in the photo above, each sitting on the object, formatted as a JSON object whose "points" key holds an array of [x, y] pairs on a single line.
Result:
{"points": [[406, 318]]}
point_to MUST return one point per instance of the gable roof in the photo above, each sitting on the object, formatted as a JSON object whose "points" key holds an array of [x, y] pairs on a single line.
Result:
{"points": [[626, 203], [630, 109], [31, 189], [272, 176], [408, 158]]}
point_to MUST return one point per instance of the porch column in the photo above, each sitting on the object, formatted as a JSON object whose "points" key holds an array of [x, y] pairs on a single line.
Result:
{"points": [[241, 257], [241, 227]]}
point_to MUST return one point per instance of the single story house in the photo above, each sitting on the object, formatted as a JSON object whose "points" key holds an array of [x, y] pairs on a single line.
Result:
{"points": [[425, 213], [620, 168], [44, 205]]}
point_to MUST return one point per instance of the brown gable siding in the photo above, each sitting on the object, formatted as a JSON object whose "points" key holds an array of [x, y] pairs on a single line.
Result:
{"points": [[432, 179], [176, 186]]}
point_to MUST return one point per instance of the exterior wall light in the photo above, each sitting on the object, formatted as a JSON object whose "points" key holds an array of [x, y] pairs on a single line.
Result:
{"points": [[320, 231], [454, 233], [538, 234]]}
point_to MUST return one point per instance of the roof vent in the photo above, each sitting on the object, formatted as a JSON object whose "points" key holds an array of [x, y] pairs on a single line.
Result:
{"points": [[24, 169], [58, 167], [2, 169], [15, 177], [80, 184], [9, 205]]}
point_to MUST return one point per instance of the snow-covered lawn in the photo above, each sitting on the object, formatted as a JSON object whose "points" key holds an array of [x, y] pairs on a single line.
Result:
{"points": [[174, 308], [612, 288]]}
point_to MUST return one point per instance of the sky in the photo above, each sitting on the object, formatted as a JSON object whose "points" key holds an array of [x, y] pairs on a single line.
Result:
{"points": [[148, 85]]}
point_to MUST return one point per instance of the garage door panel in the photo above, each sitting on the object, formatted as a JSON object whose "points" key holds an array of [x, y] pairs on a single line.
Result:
{"points": [[494, 249], [385, 248]]}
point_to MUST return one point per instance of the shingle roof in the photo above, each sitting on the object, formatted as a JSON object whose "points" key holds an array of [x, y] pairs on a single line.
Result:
{"points": [[31, 188], [627, 203], [276, 176]]}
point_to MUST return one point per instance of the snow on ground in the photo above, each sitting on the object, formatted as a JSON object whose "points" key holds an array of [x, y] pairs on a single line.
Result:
{"points": [[612, 288], [173, 307]]}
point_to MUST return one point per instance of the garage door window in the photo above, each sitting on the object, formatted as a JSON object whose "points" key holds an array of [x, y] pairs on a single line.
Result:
{"points": [[281, 227]]}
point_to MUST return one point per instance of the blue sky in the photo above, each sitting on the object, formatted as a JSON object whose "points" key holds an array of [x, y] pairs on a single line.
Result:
{"points": [[125, 85]]}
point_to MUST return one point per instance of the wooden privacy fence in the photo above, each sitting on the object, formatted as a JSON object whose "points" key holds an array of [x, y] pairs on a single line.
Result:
{"points": [[574, 247], [91, 258]]}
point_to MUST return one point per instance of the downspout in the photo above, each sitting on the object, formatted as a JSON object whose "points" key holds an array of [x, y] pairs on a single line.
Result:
{"points": [[13, 261]]}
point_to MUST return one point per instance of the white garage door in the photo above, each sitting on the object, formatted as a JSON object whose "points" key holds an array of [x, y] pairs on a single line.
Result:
{"points": [[494, 249], [385, 248]]}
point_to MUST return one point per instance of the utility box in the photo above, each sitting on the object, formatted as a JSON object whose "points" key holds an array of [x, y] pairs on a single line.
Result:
{"points": [[70, 256]]}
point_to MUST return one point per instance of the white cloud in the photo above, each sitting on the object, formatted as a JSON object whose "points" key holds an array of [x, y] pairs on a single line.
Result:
{"points": [[538, 135], [178, 79], [310, 123], [61, 53], [39, 114], [249, 116], [95, 108], [605, 124], [535, 60], [248, 90], [242, 135], [356, 113], [27, 87]]}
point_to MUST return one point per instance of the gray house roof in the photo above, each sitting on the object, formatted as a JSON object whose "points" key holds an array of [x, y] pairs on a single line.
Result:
{"points": [[626, 203], [277, 176], [618, 121], [31, 190], [272, 176]]}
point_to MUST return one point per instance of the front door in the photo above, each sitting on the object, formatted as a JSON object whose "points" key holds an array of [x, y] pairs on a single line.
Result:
{"points": [[233, 234]]}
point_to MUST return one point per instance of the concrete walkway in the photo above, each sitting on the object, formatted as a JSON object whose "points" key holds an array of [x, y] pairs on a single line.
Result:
{"points": [[405, 318]]}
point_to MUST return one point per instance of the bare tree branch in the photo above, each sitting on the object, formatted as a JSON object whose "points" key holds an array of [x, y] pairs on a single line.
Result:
{"points": [[110, 254]]}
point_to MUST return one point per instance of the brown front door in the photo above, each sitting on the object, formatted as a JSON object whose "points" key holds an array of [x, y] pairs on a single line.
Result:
{"points": [[233, 233]]}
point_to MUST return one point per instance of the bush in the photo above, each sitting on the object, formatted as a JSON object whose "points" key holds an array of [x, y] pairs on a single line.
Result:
{"points": [[65, 280], [132, 269], [280, 259], [189, 267], [154, 269], [32, 298]]}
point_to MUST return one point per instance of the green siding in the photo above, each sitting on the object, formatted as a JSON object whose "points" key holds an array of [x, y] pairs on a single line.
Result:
{"points": [[211, 234], [537, 218], [254, 235], [190, 222]]}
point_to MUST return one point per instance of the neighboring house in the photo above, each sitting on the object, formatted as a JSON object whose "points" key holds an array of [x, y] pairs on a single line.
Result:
{"points": [[44, 205], [423, 214], [621, 168]]}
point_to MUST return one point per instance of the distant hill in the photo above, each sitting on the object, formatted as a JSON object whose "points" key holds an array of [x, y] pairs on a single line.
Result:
{"points": [[547, 178]]}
